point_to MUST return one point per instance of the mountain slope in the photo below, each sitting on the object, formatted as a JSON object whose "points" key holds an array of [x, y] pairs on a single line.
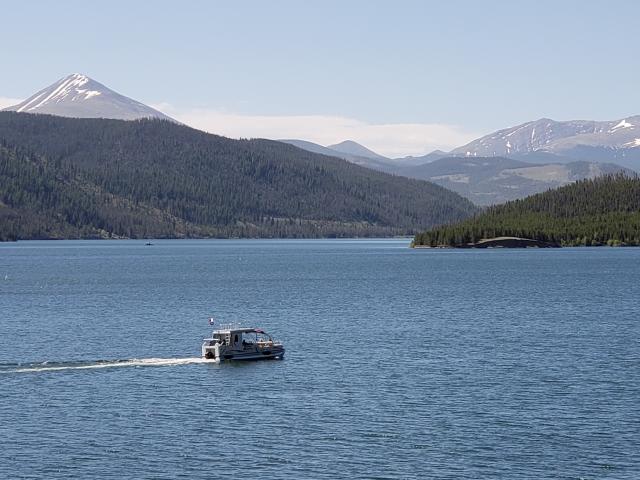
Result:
{"points": [[81, 97], [483, 180], [609, 141], [421, 160], [313, 147], [552, 136], [369, 162], [605, 210], [493, 180], [86, 178], [353, 148]]}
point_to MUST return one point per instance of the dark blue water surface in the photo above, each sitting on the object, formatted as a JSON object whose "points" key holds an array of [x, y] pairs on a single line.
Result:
{"points": [[400, 363]]}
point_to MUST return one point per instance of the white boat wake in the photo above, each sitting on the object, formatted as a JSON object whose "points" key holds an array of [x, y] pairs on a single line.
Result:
{"points": [[133, 362]]}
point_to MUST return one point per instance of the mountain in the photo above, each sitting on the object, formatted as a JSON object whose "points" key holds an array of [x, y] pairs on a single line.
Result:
{"points": [[350, 147], [493, 180], [604, 210], [100, 178], [483, 180], [429, 157], [82, 97], [382, 164], [616, 140], [314, 147], [627, 157]]}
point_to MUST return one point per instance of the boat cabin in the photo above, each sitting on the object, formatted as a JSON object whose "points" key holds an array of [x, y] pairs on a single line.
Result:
{"points": [[238, 338]]}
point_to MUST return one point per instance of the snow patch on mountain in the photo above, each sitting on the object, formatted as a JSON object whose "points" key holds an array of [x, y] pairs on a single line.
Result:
{"points": [[79, 96], [550, 136], [622, 124]]}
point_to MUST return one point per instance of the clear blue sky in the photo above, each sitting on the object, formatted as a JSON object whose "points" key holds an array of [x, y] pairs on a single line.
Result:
{"points": [[478, 65]]}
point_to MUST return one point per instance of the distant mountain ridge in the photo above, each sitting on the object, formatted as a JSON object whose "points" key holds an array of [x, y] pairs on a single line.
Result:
{"points": [[348, 150], [79, 96], [555, 137], [353, 148], [494, 180], [422, 159], [551, 141], [483, 180], [601, 141]]}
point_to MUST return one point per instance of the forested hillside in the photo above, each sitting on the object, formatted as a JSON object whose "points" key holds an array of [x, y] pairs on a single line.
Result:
{"points": [[97, 178], [602, 211]]}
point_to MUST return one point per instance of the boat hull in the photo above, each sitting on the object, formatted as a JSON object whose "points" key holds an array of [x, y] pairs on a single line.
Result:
{"points": [[219, 353]]}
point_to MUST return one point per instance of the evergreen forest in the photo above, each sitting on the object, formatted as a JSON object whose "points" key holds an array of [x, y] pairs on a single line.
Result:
{"points": [[96, 178], [600, 211]]}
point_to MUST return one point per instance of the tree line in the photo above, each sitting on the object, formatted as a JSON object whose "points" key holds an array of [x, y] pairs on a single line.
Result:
{"points": [[600, 211]]}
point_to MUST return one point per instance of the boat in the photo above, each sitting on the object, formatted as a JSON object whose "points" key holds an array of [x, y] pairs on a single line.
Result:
{"points": [[241, 343]]}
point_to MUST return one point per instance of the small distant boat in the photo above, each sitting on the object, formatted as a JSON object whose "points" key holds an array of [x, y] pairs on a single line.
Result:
{"points": [[148, 244], [241, 343]]}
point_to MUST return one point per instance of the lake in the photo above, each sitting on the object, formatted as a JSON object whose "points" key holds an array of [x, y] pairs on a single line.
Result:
{"points": [[400, 363]]}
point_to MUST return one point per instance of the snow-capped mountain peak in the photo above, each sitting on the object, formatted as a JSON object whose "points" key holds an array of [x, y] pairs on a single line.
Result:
{"points": [[80, 96], [551, 136], [65, 87]]}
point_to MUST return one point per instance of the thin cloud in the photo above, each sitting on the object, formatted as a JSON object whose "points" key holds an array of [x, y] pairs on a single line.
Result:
{"points": [[392, 139], [8, 102]]}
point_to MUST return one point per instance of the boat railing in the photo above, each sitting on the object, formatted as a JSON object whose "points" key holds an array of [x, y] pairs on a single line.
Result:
{"points": [[227, 326]]}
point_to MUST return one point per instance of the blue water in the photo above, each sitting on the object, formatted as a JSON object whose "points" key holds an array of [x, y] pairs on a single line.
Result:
{"points": [[399, 363]]}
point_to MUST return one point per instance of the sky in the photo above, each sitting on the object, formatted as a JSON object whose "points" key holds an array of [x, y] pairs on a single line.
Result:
{"points": [[401, 77]]}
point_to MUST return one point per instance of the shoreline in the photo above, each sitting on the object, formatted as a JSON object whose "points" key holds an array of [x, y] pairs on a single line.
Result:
{"points": [[517, 242]]}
